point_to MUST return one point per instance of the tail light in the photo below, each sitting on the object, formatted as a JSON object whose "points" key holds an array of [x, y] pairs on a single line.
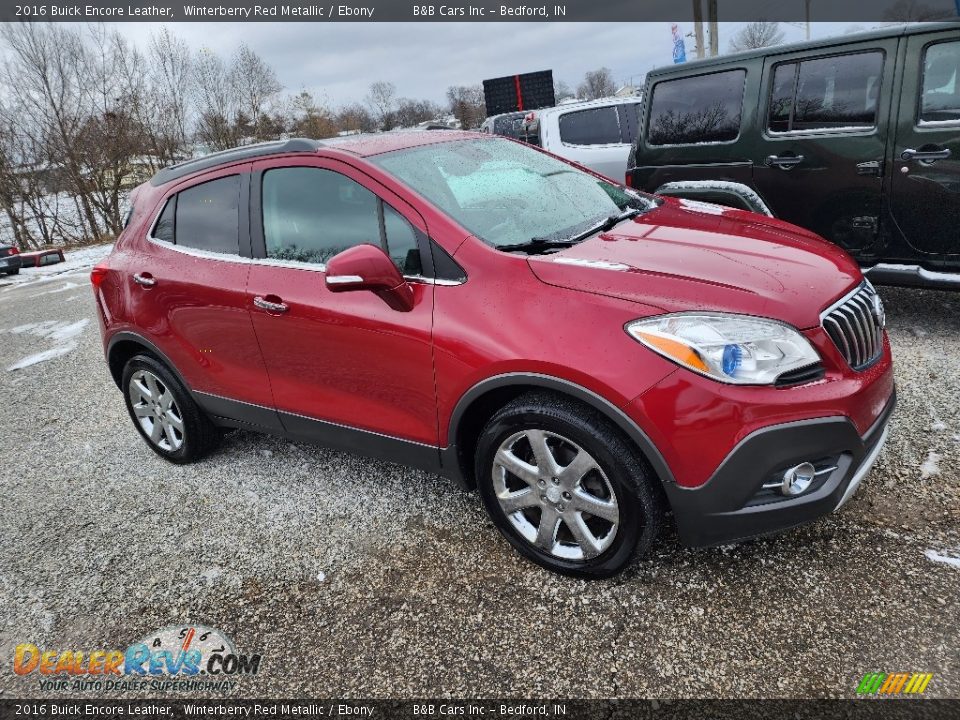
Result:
{"points": [[628, 180], [97, 275], [14, 251]]}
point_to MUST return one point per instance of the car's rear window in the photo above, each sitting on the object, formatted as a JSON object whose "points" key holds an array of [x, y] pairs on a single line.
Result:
{"points": [[698, 109]]}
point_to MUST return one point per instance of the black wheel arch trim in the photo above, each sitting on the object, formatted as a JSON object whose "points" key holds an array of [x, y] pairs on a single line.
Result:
{"points": [[633, 431], [128, 336]]}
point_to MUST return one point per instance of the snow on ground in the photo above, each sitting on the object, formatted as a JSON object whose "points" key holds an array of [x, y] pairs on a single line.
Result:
{"points": [[938, 557], [931, 466], [79, 260], [63, 334]]}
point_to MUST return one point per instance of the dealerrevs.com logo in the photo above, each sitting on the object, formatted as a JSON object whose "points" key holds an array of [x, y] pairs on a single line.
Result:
{"points": [[888, 684], [179, 657]]}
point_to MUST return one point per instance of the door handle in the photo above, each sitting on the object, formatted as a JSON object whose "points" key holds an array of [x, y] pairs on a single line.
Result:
{"points": [[276, 307], [144, 279], [925, 155], [784, 162]]}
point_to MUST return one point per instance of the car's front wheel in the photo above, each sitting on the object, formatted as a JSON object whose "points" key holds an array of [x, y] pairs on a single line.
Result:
{"points": [[164, 413], [565, 487]]}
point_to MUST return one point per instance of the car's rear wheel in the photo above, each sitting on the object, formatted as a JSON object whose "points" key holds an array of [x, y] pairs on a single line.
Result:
{"points": [[15, 271], [164, 413], [565, 487]]}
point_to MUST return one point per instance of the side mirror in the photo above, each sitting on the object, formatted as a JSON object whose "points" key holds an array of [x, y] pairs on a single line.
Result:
{"points": [[367, 267]]}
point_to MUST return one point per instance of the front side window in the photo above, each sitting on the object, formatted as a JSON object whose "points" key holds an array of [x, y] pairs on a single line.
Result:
{"points": [[311, 214], [700, 109], [208, 216], [596, 126], [831, 93], [940, 99], [507, 193]]}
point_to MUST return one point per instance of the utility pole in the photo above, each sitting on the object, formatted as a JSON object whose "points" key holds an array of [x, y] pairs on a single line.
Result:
{"points": [[806, 8], [712, 21], [698, 27]]}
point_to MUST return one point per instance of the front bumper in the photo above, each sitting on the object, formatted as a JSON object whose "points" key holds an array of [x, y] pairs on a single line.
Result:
{"points": [[734, 505]]}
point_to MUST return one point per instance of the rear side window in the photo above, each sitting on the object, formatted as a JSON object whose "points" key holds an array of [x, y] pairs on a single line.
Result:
{"points": [[830, 93], [700, 109], [596, 126], [208, 216], [940, 100]]}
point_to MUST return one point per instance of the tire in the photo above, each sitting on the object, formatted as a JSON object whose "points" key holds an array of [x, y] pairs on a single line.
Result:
{"points": [[184, 434], [594, 468], [15, 271]]}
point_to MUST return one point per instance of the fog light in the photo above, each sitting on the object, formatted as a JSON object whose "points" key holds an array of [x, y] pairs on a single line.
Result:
{"points": [[797, 479]]}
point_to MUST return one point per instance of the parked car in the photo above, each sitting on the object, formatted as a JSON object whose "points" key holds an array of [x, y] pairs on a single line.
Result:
{"points": [[597, 134], [509, 125], [856, 138], [40, 258], [9, 259], [586, 355]]}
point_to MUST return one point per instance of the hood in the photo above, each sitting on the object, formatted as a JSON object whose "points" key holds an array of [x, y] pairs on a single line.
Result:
{"points": [[688, 255]]}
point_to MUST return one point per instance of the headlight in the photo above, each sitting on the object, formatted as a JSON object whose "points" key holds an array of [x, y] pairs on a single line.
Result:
{"points": [[736, 349]]}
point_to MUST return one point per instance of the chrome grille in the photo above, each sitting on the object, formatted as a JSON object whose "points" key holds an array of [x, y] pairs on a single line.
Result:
{"points": [[855, 324]]}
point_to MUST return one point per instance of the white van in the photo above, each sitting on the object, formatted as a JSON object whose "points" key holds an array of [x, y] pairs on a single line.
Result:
{"points": [[594, 133]]}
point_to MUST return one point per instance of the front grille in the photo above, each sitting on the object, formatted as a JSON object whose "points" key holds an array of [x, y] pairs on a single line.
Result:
{"points": [[856, 327]]}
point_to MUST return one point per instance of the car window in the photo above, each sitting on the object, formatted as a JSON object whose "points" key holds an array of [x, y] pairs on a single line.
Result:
{"points": [[628, 114], [700, 109], [208, 216], [596, 126], [163, 230], [940, 100], [311, 214], [401, 242], [837, 92]]}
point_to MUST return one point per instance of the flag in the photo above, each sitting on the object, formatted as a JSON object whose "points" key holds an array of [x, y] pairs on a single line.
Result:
{"points": [[679, 51]]}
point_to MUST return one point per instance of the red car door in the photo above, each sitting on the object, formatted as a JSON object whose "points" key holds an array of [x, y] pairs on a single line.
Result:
{"points": [[339, 362], [188, 291]]}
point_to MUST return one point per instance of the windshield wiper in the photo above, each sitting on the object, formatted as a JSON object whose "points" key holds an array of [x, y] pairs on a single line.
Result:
{"points": [[537, 244]]}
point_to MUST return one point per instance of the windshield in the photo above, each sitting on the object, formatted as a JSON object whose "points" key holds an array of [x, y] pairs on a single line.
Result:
{"points": [[508, 194]]}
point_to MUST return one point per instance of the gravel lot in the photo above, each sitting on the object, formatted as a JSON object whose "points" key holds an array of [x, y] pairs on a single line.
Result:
{"points": [[358, 578]]}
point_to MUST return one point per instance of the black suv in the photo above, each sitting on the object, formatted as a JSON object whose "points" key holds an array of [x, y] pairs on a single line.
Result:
{"points": [[856, 138]]}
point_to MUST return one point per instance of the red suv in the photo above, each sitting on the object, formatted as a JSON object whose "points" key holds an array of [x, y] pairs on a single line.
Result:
{"points": [[587, 356]]}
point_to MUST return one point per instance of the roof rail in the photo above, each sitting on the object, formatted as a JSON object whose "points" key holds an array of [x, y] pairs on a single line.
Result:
{"points": [[244, 152]]}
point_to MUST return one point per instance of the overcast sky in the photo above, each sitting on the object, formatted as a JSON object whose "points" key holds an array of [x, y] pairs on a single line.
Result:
{"points": [[340, 61]]}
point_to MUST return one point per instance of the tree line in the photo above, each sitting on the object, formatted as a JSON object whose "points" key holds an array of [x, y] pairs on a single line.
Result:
{"points": [[85, 116]]}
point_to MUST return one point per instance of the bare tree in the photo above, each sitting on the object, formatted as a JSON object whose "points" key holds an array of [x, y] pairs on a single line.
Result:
{"points": [[561, 91], [355, 118], [381, 100], [597, 84], [255, 86], [310, 118], [413, 112], [759, 34], [467, 105]]}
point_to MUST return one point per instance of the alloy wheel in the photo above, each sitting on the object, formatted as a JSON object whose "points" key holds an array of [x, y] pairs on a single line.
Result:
{"points": [[555, 495], [156, 410]]}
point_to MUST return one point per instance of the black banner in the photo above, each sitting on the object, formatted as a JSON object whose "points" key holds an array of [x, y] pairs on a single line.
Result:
{"points": [[472, 11], [862, 709]]}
